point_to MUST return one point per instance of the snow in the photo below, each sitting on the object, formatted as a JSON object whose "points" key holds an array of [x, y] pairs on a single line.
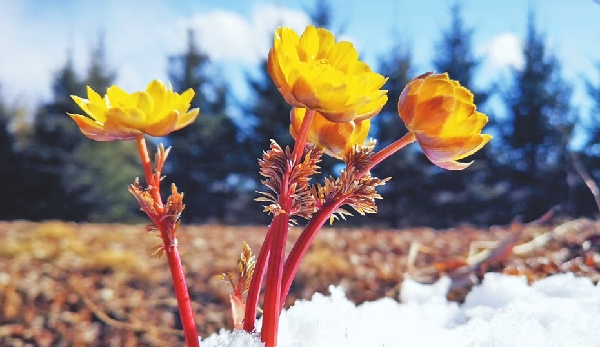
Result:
{"points": [[503, 311]]}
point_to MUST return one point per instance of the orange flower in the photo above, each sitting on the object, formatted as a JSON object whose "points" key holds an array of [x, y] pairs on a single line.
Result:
{"points": [[315, 72], [441, 115], [157, 111], [334, 138]]}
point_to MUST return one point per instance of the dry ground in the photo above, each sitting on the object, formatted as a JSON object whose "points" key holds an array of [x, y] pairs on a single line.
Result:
{"points": [[65, 284]]}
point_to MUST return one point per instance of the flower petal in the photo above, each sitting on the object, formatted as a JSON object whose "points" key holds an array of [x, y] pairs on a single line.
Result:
{"points": [[117, 97], [444, 152], [91, 129], [124, 123], [441, 115], [157, 111], [187, 119], [407, 103], [313, 71], [165, 125], [473, 145], [308, 47]]}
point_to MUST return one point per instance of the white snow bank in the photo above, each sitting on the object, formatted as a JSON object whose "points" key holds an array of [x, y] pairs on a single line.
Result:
{"points": [[504, 311]]}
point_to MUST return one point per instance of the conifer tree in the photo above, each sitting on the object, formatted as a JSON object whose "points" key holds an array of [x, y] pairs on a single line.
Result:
{"points": [[538, 102], [589, 154], [321, 14], [402, 204], [207, 152], [101, 172], [593, 141], [271, 114], [10, 169], [454, 192], [49, 153], [454, 53]]}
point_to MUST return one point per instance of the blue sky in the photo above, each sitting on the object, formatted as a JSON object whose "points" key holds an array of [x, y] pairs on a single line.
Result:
{"points": [[141, 34]]}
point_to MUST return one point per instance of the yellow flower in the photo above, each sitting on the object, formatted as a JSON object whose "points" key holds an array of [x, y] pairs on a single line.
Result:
{"points": [[441, 115], [157, 111], [315, 72], [336, 139]]}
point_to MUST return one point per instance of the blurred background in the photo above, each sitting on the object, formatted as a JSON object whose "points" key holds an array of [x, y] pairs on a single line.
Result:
{"points": [[534, 67]]}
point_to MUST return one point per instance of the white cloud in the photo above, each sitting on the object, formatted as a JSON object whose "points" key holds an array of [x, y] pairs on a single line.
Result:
{"points": [[37, 40], [27, 55], [139, 37], [504, 50], [228, 36]]}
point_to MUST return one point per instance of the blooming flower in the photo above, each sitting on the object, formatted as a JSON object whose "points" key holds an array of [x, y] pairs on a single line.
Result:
{"points": [[313, 71], [334, 138], [441, 115], [157, 111]]}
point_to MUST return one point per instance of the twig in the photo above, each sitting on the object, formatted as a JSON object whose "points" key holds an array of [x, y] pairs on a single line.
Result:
{"points": [[102, 316], [466, 275], [587, 179]]}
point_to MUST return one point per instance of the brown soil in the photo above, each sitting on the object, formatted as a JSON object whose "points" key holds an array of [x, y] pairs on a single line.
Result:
{"points": [[65, 284]]}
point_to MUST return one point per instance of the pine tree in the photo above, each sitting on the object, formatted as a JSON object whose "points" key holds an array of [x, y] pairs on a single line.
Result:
{"points": [[50, 151], [101, 171], [593, 141], [321, 14], [206, 153], [454, 53], [455, 192], [271, 114], [402, 204], [10, 168], [589, 153], [538, 102]]}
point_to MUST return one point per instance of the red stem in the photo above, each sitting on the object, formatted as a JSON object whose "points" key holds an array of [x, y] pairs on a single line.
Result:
{"points": [[153, 187], [301, 246], [279, 226], [181, 292], [270, 324], [392, 148], [257, 277], [318, 220], [170, 243], [302, 136]]}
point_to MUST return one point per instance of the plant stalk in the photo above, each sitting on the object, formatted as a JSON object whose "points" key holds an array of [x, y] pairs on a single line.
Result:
{"points": [[255, 283], [184, 303], [280, 227], [319, 218]]}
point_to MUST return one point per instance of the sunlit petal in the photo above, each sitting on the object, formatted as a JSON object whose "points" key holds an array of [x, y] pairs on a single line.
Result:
{"points": [[441, 114], [336, 139], [118, 115], [91, 129], [313, 71]]}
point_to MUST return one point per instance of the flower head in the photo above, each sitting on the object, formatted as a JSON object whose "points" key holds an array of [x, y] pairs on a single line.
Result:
{"points": [[441, 115], [336, 139], [157, 111], [313, 71]]}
